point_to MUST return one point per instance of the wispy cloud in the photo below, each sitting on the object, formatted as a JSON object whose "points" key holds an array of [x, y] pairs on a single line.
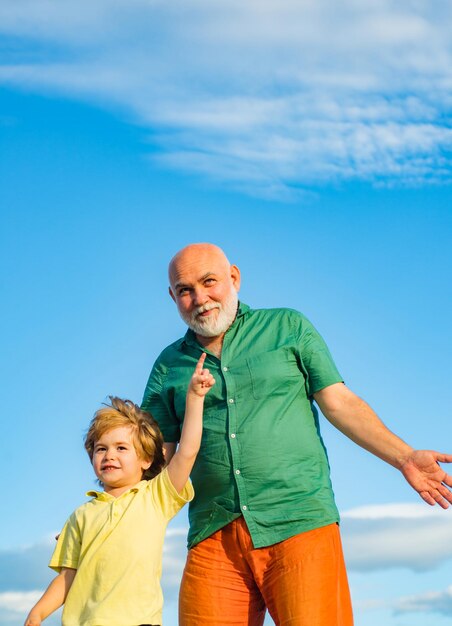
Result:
{"points": [[429, 602], [174, 553], [24, 574], [15, 605], [267, 97], [25, 569], [19, 601], [399, 511], [412, 536]]}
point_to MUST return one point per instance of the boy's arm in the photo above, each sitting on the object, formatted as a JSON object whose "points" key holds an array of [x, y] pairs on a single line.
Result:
{"points": [[53, 597], [169, 450], [181, 463]]}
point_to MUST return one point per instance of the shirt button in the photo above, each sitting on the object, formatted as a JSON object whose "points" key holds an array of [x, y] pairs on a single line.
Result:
{"points": [[232, 435], [244, 507], [231, 400], [237, 471], [225, 369]]}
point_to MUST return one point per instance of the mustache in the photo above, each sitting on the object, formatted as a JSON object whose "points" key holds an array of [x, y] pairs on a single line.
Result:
{"points": [[206, 307]]}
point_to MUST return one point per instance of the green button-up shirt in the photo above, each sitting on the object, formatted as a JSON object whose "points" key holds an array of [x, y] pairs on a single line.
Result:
{"points": [[261, 454]]}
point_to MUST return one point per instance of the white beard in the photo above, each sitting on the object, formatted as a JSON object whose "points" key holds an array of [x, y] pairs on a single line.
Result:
{"points": [[213, 326]]}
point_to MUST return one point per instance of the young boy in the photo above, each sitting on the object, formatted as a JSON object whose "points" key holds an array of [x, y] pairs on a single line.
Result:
{"points": [[108, 556]]}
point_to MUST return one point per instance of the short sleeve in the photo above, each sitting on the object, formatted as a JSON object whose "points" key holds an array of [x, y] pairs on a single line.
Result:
{"points": [[166, 496], [157, 402], [316, 360], [67, 550]]}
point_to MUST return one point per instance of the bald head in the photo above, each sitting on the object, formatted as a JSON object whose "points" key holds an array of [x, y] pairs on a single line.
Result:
{"points": [[204, 286], [194, 255]]}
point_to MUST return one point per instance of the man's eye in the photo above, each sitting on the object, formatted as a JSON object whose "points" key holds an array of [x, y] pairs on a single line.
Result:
{"points": [[183, 291], [209, 281]]}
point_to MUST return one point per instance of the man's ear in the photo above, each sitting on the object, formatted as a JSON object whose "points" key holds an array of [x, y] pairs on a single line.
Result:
{"points": [[171, 294], [235, 277]]}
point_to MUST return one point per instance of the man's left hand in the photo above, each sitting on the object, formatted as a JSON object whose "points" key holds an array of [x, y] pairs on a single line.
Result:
{"points": [[423, 473]]}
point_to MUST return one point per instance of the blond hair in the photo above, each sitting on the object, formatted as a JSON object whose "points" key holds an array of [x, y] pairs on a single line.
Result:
{"points": [[146, 436]]}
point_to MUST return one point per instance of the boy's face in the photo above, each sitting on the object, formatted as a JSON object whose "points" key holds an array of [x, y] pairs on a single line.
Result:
{"points": [[115, 461]]}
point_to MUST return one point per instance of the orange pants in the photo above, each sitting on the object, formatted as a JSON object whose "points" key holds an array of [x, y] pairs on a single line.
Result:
{"points": [[301, 581]]}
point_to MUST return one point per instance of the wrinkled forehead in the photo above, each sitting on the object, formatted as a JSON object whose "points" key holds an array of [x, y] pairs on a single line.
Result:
{"points": [[193, 264]]}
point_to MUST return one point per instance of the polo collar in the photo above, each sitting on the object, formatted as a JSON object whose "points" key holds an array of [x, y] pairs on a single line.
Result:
{"points": [[106, 497]]}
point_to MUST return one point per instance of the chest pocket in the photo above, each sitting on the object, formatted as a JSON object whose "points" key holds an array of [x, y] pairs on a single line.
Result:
{"points": [[272, 373], [176, 389]]}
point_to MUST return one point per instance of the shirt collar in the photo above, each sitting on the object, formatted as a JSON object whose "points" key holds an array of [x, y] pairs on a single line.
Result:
{"points": [[105, 497], [190, 337]]}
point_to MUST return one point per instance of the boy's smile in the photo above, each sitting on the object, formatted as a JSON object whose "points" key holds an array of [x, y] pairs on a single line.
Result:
{"points": [[115, 461]]}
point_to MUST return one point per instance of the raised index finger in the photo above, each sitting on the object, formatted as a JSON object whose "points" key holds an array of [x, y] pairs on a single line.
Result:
{"points": [[200, 364]]}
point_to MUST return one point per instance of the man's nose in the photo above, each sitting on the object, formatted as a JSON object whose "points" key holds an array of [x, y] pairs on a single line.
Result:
{"points": [[199, 296]]}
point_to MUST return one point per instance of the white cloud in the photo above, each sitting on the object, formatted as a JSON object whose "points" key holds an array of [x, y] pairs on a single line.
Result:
{"points": [[25, 568], [19, 601], [429, 602], [24, 571], [15, 606], [412, 536], [174, 554], [394, 511], [268, 97]]}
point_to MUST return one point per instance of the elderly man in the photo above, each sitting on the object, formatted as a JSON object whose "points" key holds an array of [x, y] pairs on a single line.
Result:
{"points": [[263, 525]]}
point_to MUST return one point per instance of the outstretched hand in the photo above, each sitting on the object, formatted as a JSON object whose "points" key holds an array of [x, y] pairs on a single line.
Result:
{"points": [[424, 474], [202, 380]]}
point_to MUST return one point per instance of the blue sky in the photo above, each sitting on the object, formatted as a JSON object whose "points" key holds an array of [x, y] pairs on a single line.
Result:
{"points": [[314, 145]]}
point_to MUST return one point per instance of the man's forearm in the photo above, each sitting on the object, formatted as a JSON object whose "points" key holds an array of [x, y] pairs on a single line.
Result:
{"points": [[358, 421], [361, 424]]}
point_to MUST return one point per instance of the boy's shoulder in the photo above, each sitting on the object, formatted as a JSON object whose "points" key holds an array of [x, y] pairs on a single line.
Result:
{"points": [[82, 513], [94, 498]]}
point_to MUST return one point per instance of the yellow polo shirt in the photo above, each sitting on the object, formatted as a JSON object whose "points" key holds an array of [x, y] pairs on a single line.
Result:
{"points": [[115, 544]]}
